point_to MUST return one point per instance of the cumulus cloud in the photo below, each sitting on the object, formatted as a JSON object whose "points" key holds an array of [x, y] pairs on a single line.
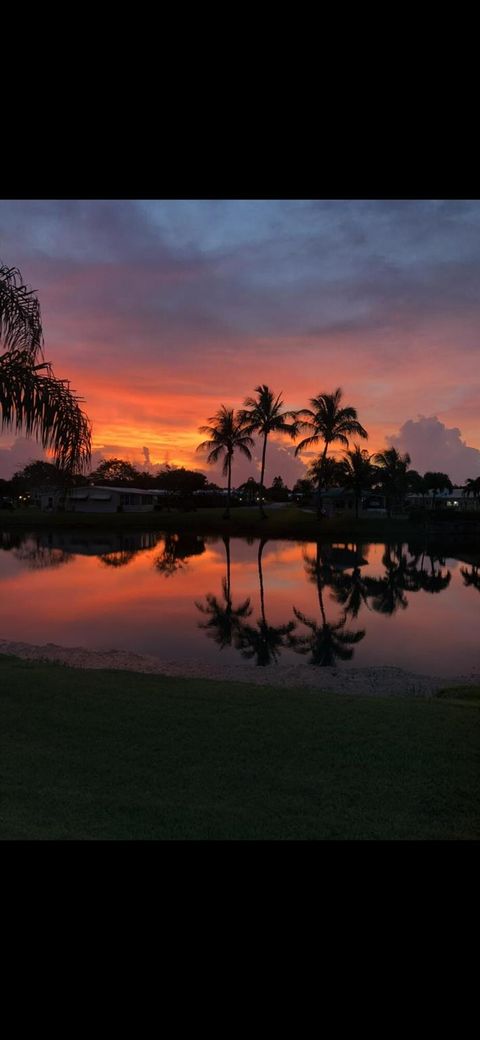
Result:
{"points": [[432, 446], [16, 456]]}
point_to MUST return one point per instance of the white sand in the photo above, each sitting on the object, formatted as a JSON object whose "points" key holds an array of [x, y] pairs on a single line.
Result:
{"points": [[383, 680]]}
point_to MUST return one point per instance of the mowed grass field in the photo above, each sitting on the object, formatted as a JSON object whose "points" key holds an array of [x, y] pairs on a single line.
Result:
{"points": [[119, 755]]}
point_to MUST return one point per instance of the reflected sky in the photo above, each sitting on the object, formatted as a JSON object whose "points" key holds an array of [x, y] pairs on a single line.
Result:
{"points": [[355, 605]]}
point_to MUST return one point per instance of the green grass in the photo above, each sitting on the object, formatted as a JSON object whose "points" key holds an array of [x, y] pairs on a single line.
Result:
{"points": [[119, 755]]}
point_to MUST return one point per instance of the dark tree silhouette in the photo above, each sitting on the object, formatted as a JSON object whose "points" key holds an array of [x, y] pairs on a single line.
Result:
{"points": [[115, 471], [359, 473], [436, 482], [263, 415], [227, 434], [392, 475], [472, 487], [32, 400], [327, 421]]}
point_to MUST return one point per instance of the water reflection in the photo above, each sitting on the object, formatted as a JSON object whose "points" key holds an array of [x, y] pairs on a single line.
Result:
{"points": [[327, 641], [265, 641], [176, 552], [471, 578], [224, 620], [38, 556], [263, 601]]}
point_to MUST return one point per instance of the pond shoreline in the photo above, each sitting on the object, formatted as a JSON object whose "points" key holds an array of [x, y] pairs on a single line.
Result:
{"points": [[382, 680], [289, 524]]}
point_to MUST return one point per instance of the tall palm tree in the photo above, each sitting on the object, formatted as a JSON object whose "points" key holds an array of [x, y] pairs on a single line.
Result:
{"points": [[392, 474], [227, 434], [327, 421], [263, 415], [265, 641], [359, 472], [32, 400]]}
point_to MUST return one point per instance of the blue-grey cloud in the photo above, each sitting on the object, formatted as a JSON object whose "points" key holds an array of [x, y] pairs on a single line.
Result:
{"points": [[432, 446]]}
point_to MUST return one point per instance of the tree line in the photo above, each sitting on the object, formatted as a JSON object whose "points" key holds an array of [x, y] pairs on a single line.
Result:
{"points": [[32, 400]]}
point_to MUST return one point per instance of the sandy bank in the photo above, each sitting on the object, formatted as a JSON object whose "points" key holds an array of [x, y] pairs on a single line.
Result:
{"points": [[382, 680]]}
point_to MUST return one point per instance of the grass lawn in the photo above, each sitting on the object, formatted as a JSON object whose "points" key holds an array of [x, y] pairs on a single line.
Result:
{"points": [[119, 755]]}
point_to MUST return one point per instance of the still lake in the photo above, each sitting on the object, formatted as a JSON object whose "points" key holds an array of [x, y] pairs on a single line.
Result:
{"points": [[183, 597]]}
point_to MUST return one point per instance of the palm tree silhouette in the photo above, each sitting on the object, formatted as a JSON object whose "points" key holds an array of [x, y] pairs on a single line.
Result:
{"points": [[31, 398], [327, 421], [265, 641], [326, 642], [224, 620], [226, 435], [359, 472], [392, 474], [263, 415]]}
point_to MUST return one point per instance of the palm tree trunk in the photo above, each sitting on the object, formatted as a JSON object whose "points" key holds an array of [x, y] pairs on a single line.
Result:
{"points": [[320, 482], [262, 511], [227, 514], [357, 496]]}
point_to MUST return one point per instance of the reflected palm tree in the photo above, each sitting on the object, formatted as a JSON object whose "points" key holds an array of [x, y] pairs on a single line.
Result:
{"points": [[352, 590], [176, 551], [118, 558], [264, 642], [326, 642], [435, 580], [224, 620], [388, 593], [471, 578]]}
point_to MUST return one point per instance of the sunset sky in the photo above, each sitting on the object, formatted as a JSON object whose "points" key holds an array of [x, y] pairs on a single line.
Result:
{"points": [[160, 311]]}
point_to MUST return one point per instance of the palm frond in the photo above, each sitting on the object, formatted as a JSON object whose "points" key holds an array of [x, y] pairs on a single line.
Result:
{"points": [[20, 319]]}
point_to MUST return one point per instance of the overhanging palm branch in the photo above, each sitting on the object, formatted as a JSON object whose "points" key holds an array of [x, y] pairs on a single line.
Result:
{"points": [[32, 400]]}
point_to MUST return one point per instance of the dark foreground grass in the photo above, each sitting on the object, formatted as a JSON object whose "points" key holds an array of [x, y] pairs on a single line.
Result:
{"points": [[119, 755]]}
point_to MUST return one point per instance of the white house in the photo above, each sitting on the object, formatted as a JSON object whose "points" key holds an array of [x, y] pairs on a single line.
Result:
{"points": [[91, 499]]}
